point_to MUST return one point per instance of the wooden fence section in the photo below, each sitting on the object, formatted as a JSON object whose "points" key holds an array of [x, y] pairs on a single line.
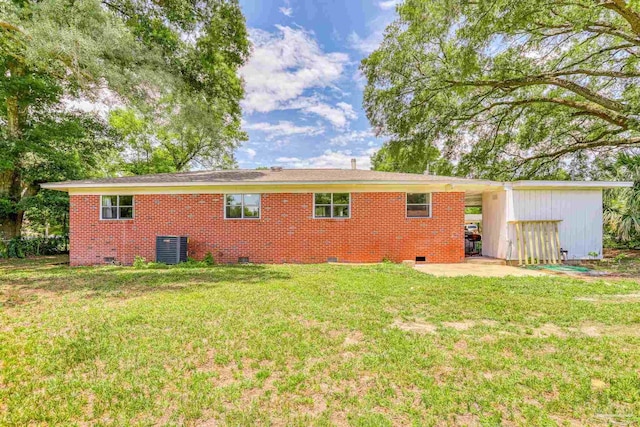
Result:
{"points": [[538, 242]]}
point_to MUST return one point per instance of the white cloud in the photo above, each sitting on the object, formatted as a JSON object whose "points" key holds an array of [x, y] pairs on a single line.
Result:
{"points": [[288, 159], [330, 159], [348, 110], [338, 115], [377, 26], [388, 4], [287, 11], [365, 45], [284, 65], [359, 79], [250, 152], [345, 139], [284, 128]]}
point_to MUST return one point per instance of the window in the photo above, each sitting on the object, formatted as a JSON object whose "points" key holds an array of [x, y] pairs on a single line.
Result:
{"points": [[331, 205], [418, 205], [242, 206], [117, 207]]}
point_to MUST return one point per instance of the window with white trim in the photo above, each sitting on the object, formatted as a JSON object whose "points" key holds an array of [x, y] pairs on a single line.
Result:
{"points": [[242, 206], [418, 205], [332, 205], [116, 207]]}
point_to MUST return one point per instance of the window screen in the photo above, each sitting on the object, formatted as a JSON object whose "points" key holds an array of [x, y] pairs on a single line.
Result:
{"points": [[332, 205], [418, 205], [117, 207], [242, 206]]}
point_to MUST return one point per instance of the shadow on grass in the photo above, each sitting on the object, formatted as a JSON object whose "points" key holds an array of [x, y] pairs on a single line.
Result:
{"points": [[33, 263], [128, 281]]}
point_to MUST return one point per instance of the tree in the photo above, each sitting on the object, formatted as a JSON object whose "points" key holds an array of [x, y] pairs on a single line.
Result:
{"points": [[394, 156], [175, 135], [48, 213], [54, 53], [519, 87], [622, 206]]}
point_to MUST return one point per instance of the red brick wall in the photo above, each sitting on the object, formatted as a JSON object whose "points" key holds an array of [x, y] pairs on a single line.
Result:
{"points": [[286, 232]]}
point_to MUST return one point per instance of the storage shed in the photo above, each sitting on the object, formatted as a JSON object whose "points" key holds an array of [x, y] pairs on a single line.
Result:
{"points": [[575, 206]]}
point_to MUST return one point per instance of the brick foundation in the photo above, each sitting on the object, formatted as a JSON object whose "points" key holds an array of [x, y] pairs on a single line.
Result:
{"points": [[286, 233]]}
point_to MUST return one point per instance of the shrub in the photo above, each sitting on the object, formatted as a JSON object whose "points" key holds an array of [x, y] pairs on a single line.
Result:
{"points": [[209, 259], [21, 247], [139, 262], [620, 257]]}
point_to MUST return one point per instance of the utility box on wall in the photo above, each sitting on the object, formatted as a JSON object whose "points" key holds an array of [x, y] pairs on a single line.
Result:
{"points": [[171, 249]]}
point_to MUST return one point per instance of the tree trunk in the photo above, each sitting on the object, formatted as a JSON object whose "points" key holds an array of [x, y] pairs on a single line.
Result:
{"points": [[12, 225], [11, 184], [11, 187]]}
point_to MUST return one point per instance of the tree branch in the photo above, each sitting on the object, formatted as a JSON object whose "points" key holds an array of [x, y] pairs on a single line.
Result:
{"points": [[547, 80], [601, 28], [585, 146], [595, 73], [625, 11], [601, 51], [584, 107]]}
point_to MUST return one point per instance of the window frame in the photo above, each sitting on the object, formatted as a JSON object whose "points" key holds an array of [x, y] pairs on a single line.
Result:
{"points": [[118, 206], [407, 204], [242, 204], [331, 205]]}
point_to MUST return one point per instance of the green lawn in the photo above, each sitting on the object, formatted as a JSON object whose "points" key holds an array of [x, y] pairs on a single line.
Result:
{"points": [[313, 345]]}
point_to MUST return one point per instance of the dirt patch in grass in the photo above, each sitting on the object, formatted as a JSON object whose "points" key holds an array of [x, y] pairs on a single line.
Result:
{"points": [[593, 330], [469, 420], [631, 253], [460, 326], [424, 327], [619, 298], [546, 330], [353, 338], [463, 325], [549, 330], [418, 326], [598, 330]]}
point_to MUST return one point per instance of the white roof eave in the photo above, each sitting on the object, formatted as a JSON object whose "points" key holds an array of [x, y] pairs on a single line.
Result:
{"points": [[526, 185], [65, 186]]}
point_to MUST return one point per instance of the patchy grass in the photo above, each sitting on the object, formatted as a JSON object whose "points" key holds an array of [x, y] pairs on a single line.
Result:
{"points": [[313, 345], [620, 263]]}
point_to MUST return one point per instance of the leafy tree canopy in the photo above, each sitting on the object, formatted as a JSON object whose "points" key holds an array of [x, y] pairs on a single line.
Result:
{"points": [[510, 88], [174, 135], [172, 63], [396, 156], [622, 206]]}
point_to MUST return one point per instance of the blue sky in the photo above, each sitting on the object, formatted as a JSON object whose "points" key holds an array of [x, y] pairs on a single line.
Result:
{"points": [[303, 102]]}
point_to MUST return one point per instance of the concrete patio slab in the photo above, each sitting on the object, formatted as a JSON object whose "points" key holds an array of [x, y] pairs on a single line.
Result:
{"points": [[481, 270]]}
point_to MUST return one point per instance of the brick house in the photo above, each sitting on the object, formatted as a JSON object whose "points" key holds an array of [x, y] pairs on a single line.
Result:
{"points": [[292, 215]]}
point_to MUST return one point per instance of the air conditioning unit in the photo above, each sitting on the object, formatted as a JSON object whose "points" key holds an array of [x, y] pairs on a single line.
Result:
{"points": [[171, 249]]}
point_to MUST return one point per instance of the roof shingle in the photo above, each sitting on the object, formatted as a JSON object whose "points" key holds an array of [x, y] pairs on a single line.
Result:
{"points": [[249, 176]]}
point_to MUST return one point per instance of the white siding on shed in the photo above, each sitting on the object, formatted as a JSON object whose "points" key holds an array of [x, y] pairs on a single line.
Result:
{"points": [[494, 224], [579, 210]]}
